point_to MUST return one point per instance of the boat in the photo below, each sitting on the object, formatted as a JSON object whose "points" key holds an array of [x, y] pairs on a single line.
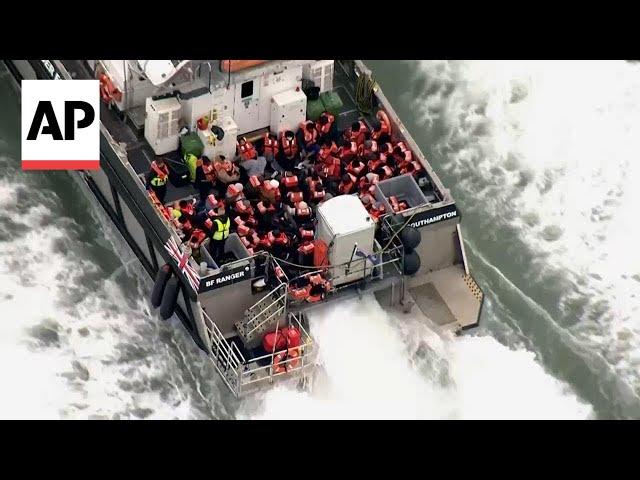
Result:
{"points": [[392, 229]]}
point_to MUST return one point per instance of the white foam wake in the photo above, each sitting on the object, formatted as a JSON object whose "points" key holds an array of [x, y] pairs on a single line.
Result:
{"points": [[550, 149], [73, 344], [379, 367]]}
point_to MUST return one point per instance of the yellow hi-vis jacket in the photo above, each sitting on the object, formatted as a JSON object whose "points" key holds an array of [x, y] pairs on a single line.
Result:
{"points": [[222, 230]]}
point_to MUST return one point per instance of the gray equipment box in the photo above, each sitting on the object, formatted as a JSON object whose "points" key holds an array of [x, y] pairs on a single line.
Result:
{"points": [[404, 188]]}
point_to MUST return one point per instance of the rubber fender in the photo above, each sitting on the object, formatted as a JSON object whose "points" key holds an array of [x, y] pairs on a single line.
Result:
{"points": [[163, 275], [170, 298], [411, 263], [410, 237]]}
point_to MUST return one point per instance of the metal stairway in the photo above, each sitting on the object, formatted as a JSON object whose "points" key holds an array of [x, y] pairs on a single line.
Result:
{"points": [[263, 316]]}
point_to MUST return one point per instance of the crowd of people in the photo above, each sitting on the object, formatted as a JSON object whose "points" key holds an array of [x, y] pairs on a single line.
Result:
{"points": [[268, 194]]}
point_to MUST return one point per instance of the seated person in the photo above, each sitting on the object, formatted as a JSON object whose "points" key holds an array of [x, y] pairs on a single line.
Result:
{"points": [[253, 167], [226, 171], [324, 125], [245, 149], [308, 137], [356, 133], [205, 177]]}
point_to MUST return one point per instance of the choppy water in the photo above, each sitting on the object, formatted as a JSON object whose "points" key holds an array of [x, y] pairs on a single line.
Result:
{"points": [[540, 157]]}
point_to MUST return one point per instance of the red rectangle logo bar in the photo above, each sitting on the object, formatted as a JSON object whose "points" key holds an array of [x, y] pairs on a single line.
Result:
{"points": [[60, 164]]}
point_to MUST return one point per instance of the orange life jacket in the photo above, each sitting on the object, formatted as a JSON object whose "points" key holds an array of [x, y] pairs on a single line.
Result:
{"points": [[306, 248], [326, 128], [262, 209], [306, 234], [303, 212], [346, 154], [359, 136], [247, 150], [300, 293], [326, 152], [346, 188], [309, 137], [290, 181], [289, 146], [270, 144], [162, 172], [385, 125], [355, 170]]}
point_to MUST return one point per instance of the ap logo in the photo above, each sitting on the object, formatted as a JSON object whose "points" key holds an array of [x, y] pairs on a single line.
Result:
{"points": [[60, 125]]}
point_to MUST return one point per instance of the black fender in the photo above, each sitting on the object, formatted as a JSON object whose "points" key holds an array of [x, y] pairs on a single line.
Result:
{"points": [[162, 277], [410, 237], [411, 262], [170, 298]]}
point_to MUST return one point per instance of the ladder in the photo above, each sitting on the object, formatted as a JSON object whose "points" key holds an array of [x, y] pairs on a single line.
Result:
{"points": [[263, 316]]}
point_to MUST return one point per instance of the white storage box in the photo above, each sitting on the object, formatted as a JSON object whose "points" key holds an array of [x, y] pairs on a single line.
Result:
{"points": [[288, 110], [321, 74], [342, 223], [161, 124], [226, 146]]}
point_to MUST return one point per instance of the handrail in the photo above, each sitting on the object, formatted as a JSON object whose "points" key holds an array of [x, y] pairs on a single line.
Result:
{"points": [[279, 310], [237, 373], [219, 339], [267, 295]]}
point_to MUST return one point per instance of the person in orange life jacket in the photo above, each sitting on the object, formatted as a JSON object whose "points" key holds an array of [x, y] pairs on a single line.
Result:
{"points": [[246, 150], [289, 153], [187, 209], [157, 178], [205, 176], [399, 155], [270, 148], [408, 167], [324, 125], [381, 129], [270, 190], [368, 147], [266, 211], [308, 137], [347, 150], [347, 185], [356, 167], [356, 133], [254, 167], [220, 233], [281, 242], [327, 149], [288, 144], [227, 172]]}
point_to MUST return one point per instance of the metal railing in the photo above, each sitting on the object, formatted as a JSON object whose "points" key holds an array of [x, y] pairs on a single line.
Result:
{"points": [[261, 372], [242, 376], [256, 315]]}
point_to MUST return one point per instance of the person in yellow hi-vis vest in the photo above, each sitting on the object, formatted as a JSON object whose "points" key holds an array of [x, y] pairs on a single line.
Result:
{"points": [[220, 232]]}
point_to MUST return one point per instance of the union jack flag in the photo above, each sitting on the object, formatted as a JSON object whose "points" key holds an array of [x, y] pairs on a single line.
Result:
{"points": [[182, 259]]}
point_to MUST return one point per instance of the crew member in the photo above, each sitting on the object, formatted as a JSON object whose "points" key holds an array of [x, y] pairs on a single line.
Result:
{"points": [[220, 232], [157, 178]]}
